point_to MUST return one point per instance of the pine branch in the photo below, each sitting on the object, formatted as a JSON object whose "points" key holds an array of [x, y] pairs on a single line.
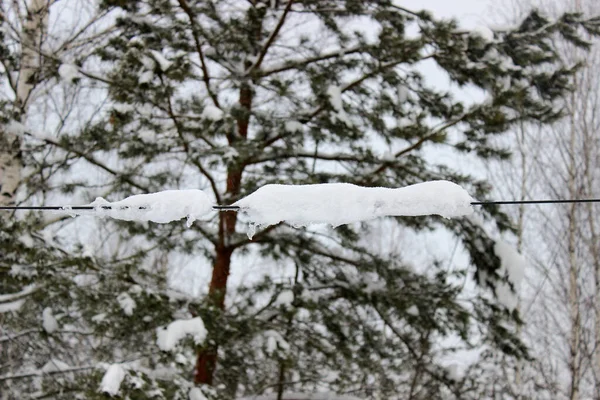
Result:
{"points": [[205, 75], [7, 298], [421, 141], [7, 338], [295, 64], [271, 38], [195, 161], [42, 373], [311, 155], [90, 159], [307, 118]]}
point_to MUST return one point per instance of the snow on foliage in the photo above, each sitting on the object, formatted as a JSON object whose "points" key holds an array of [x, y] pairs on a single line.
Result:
{"points": [[413, 310], [161, 207], [169, 337], [68, 72], [14, 301], [196, 394], [342, 203], [273, 341], [302, 396], [112, 379], [483, 32], [11, 306], [12, 296], [55, 365], [161, 60], [453, 372], [335, 99], [512, 266], [285, 298], [146, 76], [126, 303], [15, 128], [212, 113], [49, 323], [85, 280], [293, 126]]}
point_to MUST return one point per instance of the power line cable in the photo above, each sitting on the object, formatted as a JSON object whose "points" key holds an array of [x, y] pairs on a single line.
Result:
{"points": [[501, 202], [92, 208], [237, 208]]}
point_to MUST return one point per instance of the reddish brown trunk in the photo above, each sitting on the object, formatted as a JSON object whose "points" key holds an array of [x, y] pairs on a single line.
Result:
{"points": [[207, 357]]}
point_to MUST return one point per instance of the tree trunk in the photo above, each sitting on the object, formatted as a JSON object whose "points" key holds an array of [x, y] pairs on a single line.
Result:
{"points": [[574, 347], [207, 357], [34, 28]]}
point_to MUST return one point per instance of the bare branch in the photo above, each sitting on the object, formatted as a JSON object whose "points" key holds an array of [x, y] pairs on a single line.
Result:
{"points": [[271, 39], [205, 76]]}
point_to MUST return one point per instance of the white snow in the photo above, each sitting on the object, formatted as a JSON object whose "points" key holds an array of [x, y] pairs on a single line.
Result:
{"points": [[413, 310], [112, 379], [293, 126], [83, 280], [342, 203], [335, 97], [123, 107], [210, 52], [285, 298], [161, 207], [126, 303], [212, 113], [99, 318], [68, 72], [302, 396], [274, 340], [15, 128], [404, 94], [196, 394], [162, 61], [12, 296], [55, 365], [49, 323], [230, 153], [146, 77], [14, 301], [512, 266], [483, 32], [169, 337], [147, 62], [454, 372]]}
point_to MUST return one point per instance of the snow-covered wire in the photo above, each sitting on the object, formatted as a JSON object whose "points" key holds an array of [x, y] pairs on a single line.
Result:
{"points": [[237, 208]]}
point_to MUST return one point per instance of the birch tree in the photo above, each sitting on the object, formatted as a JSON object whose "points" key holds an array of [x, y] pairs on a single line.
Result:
{"points": [[556, 162]]}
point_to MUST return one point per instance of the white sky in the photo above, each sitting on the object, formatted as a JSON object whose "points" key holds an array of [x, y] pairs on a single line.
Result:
{"points": [[470, 13]]}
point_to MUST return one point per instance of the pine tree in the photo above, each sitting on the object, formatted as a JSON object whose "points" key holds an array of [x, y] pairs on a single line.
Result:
{"points": [[230, 96]]}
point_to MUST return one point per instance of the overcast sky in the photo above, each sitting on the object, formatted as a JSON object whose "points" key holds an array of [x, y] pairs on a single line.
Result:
{"points": [[470, 13]]}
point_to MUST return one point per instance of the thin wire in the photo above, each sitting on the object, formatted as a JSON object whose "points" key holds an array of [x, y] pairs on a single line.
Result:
{"points": [[237, 208], [77, 208], [485, 203]]}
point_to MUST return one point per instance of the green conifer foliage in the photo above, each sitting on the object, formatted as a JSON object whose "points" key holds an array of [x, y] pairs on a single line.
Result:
{"points": [[229, 96]]}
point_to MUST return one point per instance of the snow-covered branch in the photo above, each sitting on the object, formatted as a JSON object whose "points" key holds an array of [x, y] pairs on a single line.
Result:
{"points": [[5, 298]]}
